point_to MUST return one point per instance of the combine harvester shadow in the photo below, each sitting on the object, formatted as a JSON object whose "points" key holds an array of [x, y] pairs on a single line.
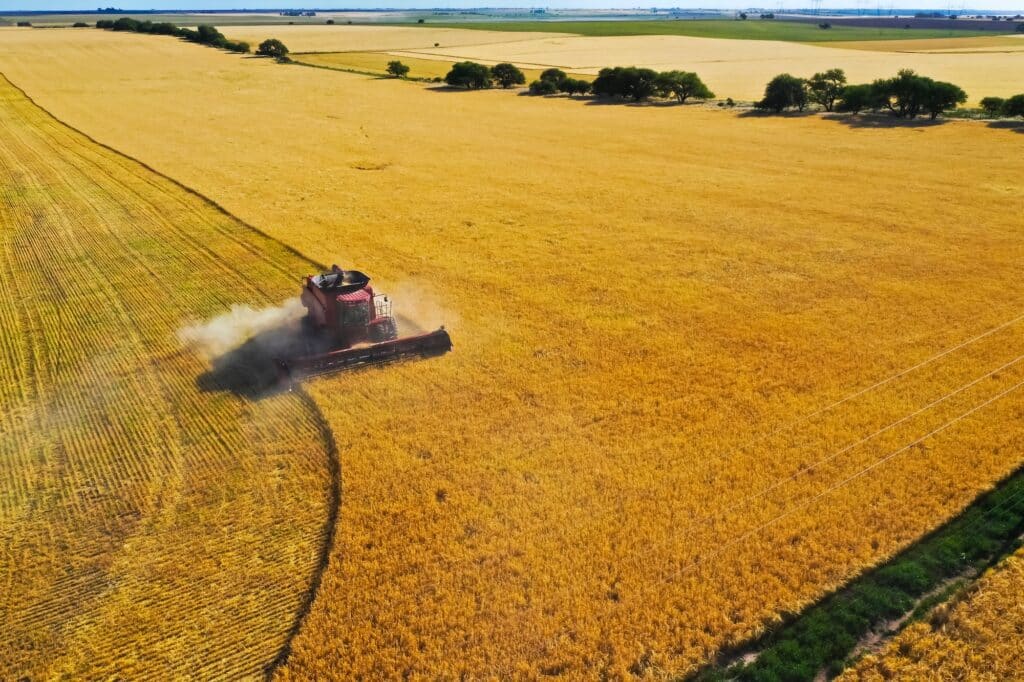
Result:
{"points": [[251, 370]]}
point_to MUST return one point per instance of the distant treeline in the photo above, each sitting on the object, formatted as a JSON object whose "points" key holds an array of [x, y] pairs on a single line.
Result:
{"points": [[204, 34]]}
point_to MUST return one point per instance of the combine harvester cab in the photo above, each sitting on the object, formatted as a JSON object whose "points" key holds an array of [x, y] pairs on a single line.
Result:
{"points": [[357, 323]]}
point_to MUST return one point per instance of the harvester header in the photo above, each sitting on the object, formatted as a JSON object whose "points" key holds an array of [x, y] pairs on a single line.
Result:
{"points": [[357, 324]]}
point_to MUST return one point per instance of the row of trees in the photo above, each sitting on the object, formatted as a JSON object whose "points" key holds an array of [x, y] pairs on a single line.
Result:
{"points": [[638, 84], [614, 83], [204, 34], [473, 76], [907, 95], [552, 81], [997, 106]]}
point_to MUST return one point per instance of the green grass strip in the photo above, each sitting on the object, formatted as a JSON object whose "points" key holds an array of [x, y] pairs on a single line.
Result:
{"points": [[824, 635], [751, 29]]}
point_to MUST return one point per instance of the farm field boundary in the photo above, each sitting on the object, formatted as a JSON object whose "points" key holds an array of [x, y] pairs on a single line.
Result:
{"points": [[125, 478], [823, 636]]}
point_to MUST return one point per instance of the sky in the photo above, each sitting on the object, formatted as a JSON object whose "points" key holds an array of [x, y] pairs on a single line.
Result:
{"points": [[867, 5]]}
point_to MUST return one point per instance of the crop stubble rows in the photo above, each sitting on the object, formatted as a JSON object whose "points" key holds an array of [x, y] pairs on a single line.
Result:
{"points": [[149, 528]]}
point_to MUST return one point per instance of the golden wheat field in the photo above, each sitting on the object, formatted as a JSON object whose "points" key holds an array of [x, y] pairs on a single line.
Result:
{"points": [[977, 639], [707, 367], [149, 528]]}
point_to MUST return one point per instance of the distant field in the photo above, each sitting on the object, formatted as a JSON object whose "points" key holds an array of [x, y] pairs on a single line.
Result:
{"points": [[752, 29], [376, 62], [740, 69]]}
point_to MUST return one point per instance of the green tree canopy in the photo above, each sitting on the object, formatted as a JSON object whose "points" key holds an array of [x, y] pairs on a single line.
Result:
{"points": [[625, 82], [507, 75], [556, 76], [1014, 106], [824, 88], [682, 85], [272, 47], [543, 87], [469, 75], [574, 86], [784, 92], [992, 106], [856, 98], [397, 69]]}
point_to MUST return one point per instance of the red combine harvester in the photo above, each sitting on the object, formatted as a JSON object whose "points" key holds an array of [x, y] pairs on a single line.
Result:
{"points": [[357, 323]]}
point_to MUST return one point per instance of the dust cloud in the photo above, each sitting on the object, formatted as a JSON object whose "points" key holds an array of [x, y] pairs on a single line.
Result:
{"points": [[218, 335]]}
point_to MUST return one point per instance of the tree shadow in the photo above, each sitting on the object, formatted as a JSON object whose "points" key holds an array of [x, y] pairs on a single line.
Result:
{"points": [[878, 121], [251, 370], [761, 113], [1015, 126]]}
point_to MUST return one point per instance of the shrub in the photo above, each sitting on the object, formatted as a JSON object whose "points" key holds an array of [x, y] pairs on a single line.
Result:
{"points": [[824, 25], [272, 47], [126, 24], [783, 92], [420, 21], [625, 83], [80, 24], [236, 46], [825, 88], [469, 75], [1014, 106], [24, 24], [856, 98], [397, 69], [507, 75], [105, 24], [682, 85], [330, 22], [1020, 28], [543, 87], [909, 94], [556, 76], [574, 86], [992, 106]]}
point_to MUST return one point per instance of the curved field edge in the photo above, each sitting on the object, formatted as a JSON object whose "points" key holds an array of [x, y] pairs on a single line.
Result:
{"points": [[152, 527], [823, 637]]}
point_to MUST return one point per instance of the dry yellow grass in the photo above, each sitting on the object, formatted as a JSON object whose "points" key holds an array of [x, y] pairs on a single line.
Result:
{"points": [[977, 639], [972, 44], [148, 529], [642, 299], [740, 68]]}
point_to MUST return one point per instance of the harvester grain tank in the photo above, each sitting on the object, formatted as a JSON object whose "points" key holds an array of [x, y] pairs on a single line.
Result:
{"points": [[357, 324]]}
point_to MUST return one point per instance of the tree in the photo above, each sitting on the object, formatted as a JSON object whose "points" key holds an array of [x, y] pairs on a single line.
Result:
{"points": [[743, 16], [573, 86], [209, 35], [855, 98], [507, 75], [272, 47], [543, 87], [824, 25], [682, 85], [992, 106], [825, 88], [942, 96], [469, 75], [556, 76], [782, 92], [397, 69], [903, 95], [80, 24], [625, 82], [1014, 106]]}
